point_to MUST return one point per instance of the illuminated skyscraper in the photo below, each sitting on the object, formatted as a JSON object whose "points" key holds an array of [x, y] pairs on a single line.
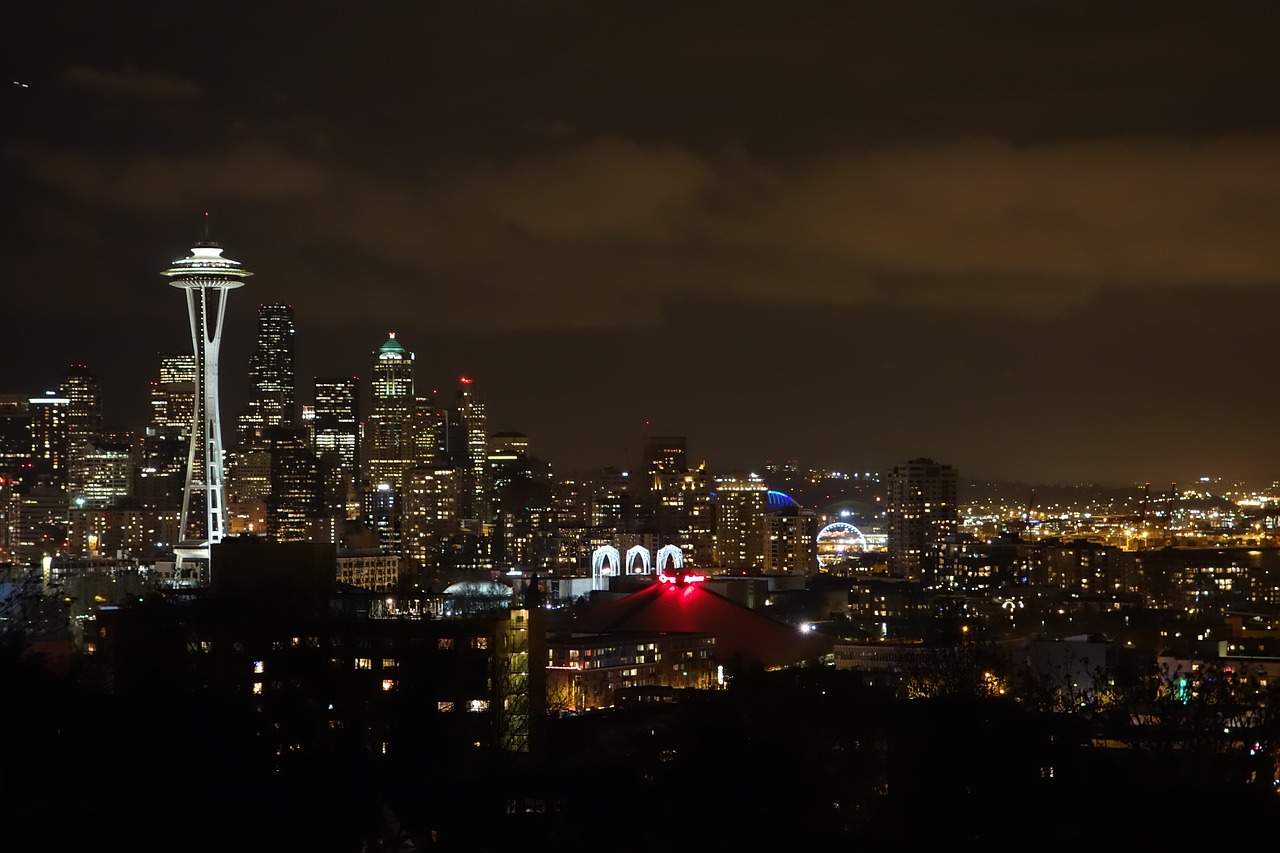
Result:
{"points": [[665, 461], [922, 515], [49, 420], [206, 276], [168, 437], [739, 505], [473, 452], [173, 397], [15, 436], [790, 545], [335, 435], [84, 413], [295, 507], [391, 447], [271, 371]]}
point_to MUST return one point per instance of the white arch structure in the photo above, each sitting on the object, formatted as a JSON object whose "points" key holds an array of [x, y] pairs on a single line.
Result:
{"points": [[641, 552], [602, 555], [669, 554]]}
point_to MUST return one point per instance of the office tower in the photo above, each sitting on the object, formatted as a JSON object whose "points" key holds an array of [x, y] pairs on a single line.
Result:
{"points": [[474, 451], [15, 436], [167, 438], [101, 474], [381, 509], [248, 486], [206, 276], [508, 460], [430, 514], [611, 500], [49, 438], [665, 461], [661, 501], [696, 533], [84, 412], [173, 397], [922, 515], [391, 448], [39, 524], [271, 373], [335, 437], [525, 531], [296, 509], [430, 432]]}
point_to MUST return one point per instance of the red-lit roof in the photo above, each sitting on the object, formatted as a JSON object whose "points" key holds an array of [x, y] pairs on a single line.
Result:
{"points": [[692, 608]]}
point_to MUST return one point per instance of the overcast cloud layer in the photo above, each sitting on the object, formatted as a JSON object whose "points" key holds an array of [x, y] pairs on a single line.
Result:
{"points": [[844, 236]]}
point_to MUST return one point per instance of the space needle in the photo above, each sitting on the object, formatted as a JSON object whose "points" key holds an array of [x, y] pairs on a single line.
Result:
{"points": [[206, 276]]}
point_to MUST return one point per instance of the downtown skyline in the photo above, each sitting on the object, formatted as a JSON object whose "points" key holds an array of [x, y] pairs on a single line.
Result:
{"points": [[1032, 243]]}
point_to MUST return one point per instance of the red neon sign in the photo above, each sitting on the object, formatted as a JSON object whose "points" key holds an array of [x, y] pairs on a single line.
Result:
{"points": [[680, 577]]}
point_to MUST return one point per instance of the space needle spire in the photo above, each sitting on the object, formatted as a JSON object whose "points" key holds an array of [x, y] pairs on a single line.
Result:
{"points": [[206, 276]]}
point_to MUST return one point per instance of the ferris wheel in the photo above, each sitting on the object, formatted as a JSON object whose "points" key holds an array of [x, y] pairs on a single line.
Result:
{"points": [[839, 541]]}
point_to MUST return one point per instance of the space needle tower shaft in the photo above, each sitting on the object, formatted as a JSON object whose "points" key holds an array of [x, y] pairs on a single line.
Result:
{"points": [[206, 276]]}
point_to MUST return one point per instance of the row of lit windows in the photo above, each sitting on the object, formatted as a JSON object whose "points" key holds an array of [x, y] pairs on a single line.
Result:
{"points": [[471, 706], [443, 643]]}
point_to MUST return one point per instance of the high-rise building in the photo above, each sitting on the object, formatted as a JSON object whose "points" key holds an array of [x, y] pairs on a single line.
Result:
{"points": [[696, 533], [335, 438], [296, 510], [391, 447], [173, 397], [248, 487], [474, 456], [382, 511], [15, 436], [101, 474], [922, 516], [168, 438], [49, 438], [790, 537], [271, 372], [431, 426], [39, 524], [739, 505], [508, 459], [430, 514], [665, 461], [206, 276], [84, 412]]}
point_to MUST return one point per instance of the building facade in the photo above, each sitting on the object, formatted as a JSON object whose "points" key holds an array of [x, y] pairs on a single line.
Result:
{"points": [[391, 446], [271, 374], [923, 515]]}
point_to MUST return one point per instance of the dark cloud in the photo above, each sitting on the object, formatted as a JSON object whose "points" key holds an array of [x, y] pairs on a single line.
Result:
{"points": [[1027, 238], [584, 232], [170, 184], [132, 83]]}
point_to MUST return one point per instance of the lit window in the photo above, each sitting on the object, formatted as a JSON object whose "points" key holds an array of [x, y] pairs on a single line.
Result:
{"points": [[364, 663], [479, 642], [258, 667], [444, 707], [477, 706], [257, 688], [445, 643], [388, 683], [388, 663]]}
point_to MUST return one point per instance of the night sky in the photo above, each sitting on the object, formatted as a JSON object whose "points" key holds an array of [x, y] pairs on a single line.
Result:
{"points": [[1033, 240]]}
